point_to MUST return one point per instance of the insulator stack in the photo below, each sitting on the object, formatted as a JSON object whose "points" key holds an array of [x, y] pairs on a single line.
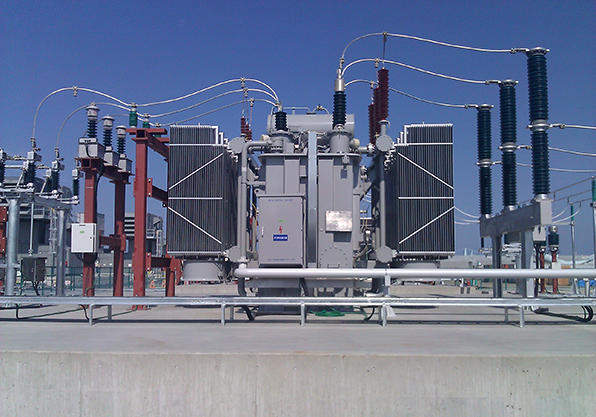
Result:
{"points": [[107, 138], [339, 108], [377, 100], [146, 124], [371, 124], [383, 82], [243, 125], [485, 159], [121, 134], [538, 98], [540, 164], [91, 128], [508, 142], [248, 134], [133, 118], [30, 173], [75, 187], [54, 180], [281, 120], [537, 84]]}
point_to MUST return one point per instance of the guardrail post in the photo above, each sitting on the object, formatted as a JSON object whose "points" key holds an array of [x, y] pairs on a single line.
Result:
{"points": [[522, 321], [223, 314], [302, 314], [90, 314]]}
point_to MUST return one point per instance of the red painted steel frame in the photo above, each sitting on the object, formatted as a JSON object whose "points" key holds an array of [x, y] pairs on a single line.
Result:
{"points": [[117, 241], [144, 188]]}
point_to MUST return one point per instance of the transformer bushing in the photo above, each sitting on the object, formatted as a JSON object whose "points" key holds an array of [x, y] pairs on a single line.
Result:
{"points": [[538, 99], [108, 125], [485, 159], [508, 142]]}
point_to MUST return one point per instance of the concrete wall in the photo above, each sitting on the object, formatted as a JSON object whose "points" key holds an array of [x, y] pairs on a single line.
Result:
{"points": [[128, 384]]}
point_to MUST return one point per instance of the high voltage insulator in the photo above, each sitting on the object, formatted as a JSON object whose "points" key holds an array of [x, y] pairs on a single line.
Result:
{"points": [[108, 124], [485, 159], [383, 81], [538, 97], [339, 108], [377, 100], [133, 118], [371, 124], [92, 112], [121, 133], [537, 84], [540, 163], [508, 141], [281, 120]]}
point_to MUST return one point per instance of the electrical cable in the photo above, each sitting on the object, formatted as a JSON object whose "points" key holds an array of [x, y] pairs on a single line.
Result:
{"points": [[467, 214], [219, 108], [75, 90], [572, 152], [573, 185], [372, 83], [469, 48], [580, 171], [563, 126], [210, 88], [567, 218], [401, 64], [211, 99]]}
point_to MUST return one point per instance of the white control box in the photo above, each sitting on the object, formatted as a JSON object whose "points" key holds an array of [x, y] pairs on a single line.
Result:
{"points": [[84, 238]]}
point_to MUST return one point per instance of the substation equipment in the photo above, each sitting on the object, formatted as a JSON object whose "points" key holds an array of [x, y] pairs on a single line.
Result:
{"points": [[305, 210]]}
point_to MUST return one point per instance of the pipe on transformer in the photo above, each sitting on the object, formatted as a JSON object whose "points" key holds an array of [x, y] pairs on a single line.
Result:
{"points": [[12, 245], [406, 273], [242, 197], [61, 253]]}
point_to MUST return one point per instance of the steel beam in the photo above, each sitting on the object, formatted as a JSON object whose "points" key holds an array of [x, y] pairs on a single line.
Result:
{"points": [[119, 214], [90, 216], [139, 259]]}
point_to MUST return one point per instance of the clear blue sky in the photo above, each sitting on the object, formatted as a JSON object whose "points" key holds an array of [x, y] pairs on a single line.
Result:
{"points": [[146, 51]]}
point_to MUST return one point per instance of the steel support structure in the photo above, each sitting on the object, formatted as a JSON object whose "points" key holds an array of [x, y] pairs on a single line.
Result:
{"points": [[145, 139], [91, 167]]}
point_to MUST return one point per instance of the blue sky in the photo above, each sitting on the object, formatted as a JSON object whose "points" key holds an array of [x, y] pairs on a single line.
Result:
{"points": [[147, 51]]}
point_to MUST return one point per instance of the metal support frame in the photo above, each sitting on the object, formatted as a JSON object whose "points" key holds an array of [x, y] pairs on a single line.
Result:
{"points": [[117, 242], [382, 304], [146, 139], [12, 245]]}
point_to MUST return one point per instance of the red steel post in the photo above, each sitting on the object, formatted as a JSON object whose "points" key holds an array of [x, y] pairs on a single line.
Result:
{"points": [[139, 262], [119, 212], [90, 216]]}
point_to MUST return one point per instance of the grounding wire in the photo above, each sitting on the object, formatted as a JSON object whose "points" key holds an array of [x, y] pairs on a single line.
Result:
{"points": [[451, 45], [572, 152], [560, 169], [401, 64], [75, 90], [210, 88], [81, 108], [218, 109], [240, 90]]}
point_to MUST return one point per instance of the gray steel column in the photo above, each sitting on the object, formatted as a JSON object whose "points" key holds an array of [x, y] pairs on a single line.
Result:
{"points": [[527, 246], [61, 252], [12, 242], [497, 283], [312, 202]]}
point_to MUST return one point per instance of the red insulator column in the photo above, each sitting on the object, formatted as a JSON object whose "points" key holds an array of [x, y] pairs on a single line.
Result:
{"points": [[383, 104]]}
